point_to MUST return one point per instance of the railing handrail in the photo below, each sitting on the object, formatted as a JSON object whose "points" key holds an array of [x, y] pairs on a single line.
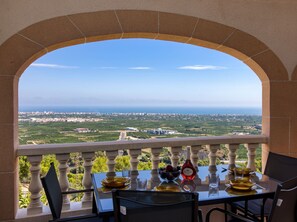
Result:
{"points": [[42, 149]]}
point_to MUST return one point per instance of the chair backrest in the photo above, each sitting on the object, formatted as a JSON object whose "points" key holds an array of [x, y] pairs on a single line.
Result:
{"points": [[284, 206], [147, 206], [280, 167], [53, 192]]}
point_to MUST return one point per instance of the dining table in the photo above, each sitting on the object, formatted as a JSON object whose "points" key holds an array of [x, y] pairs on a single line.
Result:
{"points": [[264, 187]]}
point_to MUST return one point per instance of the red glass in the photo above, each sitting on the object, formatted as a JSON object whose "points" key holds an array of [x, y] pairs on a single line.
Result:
{"points": [[188, 170]]}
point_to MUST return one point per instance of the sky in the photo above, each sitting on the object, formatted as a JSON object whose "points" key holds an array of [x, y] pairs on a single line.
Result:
{"points": [[139, 73]]}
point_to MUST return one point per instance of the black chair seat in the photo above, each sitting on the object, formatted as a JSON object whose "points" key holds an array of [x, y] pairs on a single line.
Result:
{"points": [[283, 208], [278, 167], [254, 207]]}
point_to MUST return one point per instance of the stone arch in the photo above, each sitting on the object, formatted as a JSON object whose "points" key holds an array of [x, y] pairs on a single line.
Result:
{"points": [[294, 74], [21, 49]]}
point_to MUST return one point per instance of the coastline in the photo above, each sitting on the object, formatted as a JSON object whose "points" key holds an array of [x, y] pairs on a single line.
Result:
{"points": [[147, 110]]}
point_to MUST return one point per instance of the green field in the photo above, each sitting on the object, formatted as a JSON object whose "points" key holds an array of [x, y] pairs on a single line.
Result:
{"points": [[109, 127]]}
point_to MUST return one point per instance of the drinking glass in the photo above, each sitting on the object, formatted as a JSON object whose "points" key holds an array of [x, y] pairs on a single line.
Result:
{"points": [[213, 192], [141, 183], [214, 180], [238, 175]]}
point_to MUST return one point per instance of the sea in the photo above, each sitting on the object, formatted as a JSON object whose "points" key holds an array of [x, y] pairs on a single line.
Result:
{"points": [[161, 110]]}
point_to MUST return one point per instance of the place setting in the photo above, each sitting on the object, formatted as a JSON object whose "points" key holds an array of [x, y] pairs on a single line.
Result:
{"points": [[169, 175], [242, 181], [118, 182]]}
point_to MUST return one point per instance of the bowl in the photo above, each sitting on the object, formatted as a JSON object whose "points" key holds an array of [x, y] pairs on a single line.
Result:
{"points": [[243, 171], [169, 173], [115, 182]]}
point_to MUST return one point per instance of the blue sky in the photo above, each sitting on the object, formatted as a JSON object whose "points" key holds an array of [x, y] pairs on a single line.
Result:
{"points": [[139, 72]]}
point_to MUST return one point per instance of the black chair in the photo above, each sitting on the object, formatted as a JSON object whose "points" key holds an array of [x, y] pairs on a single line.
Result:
{"points": [[278, 167], [148, 206], [55, 198], [284, 206]]}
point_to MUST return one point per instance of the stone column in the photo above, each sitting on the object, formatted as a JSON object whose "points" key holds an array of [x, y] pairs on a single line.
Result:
{"points": [[251, 154], [134, 159], [87, 179], [35, 186], [111, 155], [232, 154], [194, 155], [213, 156], [194, 159], [156, 157], [63, 179], [9, 142], [175, 155]]}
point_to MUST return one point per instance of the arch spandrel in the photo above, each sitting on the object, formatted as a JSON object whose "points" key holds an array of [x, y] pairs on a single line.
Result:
{"points": [[15, 52], [95, 26]]}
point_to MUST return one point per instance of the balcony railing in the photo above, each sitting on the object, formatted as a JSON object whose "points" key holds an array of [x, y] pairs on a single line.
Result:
{"points": [[62, 151]]}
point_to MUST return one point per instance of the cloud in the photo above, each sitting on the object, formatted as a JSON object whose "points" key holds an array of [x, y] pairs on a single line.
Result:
{"points": [[54, 66], [140, 68], [202, 67]]}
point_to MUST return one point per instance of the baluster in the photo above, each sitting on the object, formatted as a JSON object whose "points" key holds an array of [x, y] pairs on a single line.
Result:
{"points": [[111, 155], [35, 186], [232, 154], [194, 155], [194, 159], [156, 157], [251, 154], [175, 155], [63, 179], [87, 179], [213, 156], [134, 159]]}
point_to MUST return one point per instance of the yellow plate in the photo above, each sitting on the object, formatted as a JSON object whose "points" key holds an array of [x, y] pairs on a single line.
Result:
{"points": [[241, 184], [165, 188], [116, 182], [232, 191], [108, 190]]}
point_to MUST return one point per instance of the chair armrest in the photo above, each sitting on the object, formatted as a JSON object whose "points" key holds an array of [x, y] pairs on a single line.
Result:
{"points": [[227, 213]]}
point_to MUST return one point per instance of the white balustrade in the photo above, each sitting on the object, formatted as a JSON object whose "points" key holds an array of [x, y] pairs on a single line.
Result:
{"points": [[175, 155], [111, 155], [63, 179], [35, 186], [134, 148], [156, 157], [251, 154], [134, 154], [87, 179], [232, 154], [194, 159], [194, 155], [213, 148]]}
